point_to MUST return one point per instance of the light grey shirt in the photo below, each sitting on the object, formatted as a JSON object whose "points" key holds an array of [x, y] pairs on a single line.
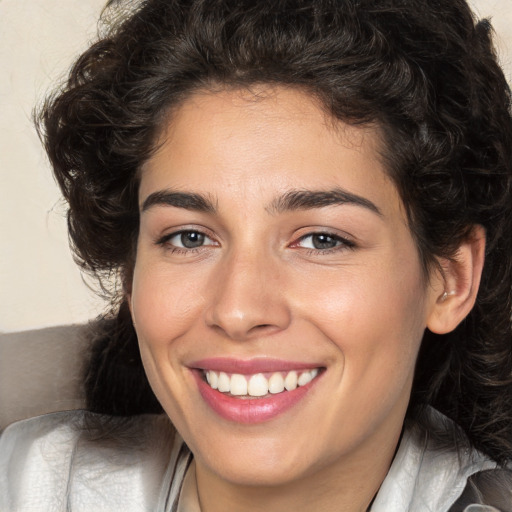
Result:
{"points": [[78, 461]]}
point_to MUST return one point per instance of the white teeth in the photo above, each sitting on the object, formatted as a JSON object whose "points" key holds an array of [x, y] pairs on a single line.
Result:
{"points": [[212, 379], [258, 385], [290, 382], [238, 385], [223, 384], [305, 378], [276, 383]]}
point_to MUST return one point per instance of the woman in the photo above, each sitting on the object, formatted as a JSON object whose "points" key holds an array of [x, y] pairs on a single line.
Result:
{"points": [[308, 205]]}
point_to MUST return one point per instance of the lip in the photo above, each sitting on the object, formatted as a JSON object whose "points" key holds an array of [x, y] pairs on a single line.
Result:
{"points": [[253, 410], [251, 366]]}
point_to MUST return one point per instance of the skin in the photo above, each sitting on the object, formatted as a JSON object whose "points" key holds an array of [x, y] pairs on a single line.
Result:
{"points": [[259, 288]]}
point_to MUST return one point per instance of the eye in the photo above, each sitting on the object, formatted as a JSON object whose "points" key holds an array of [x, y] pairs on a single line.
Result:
{"points": [[324, 242], [186, 240]]}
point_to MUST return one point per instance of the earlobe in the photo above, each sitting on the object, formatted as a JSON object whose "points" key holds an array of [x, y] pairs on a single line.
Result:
{"points": [[461, 279]]}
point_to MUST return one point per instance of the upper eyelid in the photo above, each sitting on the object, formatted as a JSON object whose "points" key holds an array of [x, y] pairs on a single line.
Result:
{"points": [[175, 232], [344, 244], [342, 241], [345, 238]]}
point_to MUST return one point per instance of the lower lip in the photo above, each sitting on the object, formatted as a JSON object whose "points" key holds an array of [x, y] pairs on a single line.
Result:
{"points": [[255, 410]]}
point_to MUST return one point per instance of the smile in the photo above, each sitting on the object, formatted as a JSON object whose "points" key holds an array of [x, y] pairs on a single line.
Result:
{"points": [[256, 391], [258, 384]]}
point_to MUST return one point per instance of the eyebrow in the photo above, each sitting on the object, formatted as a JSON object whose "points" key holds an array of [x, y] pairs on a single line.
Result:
{"points": [[185, 200], [310, 199], [290, 201]]}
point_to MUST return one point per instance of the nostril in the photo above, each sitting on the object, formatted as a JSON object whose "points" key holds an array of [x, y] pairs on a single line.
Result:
{"points": [[267, 328]]}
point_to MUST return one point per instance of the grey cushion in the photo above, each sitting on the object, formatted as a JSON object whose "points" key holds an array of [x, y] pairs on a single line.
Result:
{"points": [[41, 371]]}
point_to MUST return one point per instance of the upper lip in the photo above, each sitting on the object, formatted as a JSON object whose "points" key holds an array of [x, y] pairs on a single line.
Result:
{"points": [[251, 366]]}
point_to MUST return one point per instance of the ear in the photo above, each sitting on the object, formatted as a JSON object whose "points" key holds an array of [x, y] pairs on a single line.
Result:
{"points": [[458, 284]]}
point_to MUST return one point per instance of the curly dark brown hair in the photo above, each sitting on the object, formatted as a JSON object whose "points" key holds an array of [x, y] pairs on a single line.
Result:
{"points": [[424, 71]]}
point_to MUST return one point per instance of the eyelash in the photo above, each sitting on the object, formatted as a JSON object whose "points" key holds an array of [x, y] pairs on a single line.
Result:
{"points": [[343, 243], [173, 249]]}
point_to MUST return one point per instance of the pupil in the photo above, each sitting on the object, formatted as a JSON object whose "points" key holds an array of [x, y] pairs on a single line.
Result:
{"points": [[323, 242], [192, 239]]}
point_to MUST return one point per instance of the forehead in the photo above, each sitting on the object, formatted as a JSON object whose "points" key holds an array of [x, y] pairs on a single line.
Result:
{"points": [[263, 140]]}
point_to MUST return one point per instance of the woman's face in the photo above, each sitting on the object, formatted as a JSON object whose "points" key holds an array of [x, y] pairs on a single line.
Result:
{"points": [[273, 247]]}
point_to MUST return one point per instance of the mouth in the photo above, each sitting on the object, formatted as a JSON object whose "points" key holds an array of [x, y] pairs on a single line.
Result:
{"points": [[254, 392], [258, 385]]}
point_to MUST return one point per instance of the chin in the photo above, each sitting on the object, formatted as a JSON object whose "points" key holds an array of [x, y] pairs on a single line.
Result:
{"points": [[261, 462]]}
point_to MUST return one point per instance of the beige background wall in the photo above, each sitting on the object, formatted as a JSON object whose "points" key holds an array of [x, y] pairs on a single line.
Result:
{"points": [[39, 284]]}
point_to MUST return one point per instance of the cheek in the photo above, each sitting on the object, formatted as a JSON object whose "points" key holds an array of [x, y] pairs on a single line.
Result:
{"points": [[164, 308], [375, 316], [163, 303]]}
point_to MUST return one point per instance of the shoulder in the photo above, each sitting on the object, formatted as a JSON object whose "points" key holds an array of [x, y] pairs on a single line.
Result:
{"points": [[492, 487], [435, 468], [78, 459]]}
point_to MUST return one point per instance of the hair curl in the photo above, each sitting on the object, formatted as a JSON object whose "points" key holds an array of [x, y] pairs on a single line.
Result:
{"points": [[425, 72]]}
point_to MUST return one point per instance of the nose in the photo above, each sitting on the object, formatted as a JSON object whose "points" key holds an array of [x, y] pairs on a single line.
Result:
{"points": [[248, 297]]}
